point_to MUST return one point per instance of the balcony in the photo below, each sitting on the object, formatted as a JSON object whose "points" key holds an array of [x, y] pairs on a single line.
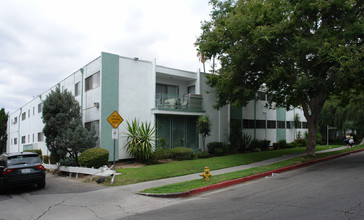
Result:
{"points": [[184, 103]]}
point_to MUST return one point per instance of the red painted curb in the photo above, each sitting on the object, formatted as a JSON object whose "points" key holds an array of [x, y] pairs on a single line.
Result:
{"points": [[247, 178]]}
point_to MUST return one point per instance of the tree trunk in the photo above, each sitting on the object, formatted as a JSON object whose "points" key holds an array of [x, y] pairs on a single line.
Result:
{"points": [[312, 110]]}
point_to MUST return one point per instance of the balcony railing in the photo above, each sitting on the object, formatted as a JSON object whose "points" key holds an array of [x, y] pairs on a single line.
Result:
{"points": [[187, 102]]}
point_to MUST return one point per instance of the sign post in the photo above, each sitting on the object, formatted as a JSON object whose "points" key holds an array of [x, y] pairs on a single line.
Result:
{"points": [[115, 120]]}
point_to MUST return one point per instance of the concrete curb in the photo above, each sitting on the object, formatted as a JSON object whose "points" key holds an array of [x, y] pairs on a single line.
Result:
{"points": [[245, 179]]}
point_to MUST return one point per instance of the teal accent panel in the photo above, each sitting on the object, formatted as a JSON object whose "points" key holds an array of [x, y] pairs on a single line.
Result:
{"points": [[109, 100], [281, 116], [236, 112]]}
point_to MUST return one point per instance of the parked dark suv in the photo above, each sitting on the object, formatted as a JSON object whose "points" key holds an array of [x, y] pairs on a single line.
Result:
{"points": [[21, 168]]}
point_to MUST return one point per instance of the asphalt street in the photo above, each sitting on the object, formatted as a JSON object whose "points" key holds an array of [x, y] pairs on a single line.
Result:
{"points": [[318, 186], [329, 190]]}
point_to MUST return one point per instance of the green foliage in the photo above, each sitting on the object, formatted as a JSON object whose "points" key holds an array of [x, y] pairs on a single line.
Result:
{"points": [[204, 128], [282, 144], [94, 157], [216, 148], [38, 151], [292, 145], [258, 145], [344, 113], [182, 153], [301, 142], [161, 153], [140, 140], [202, 154], [301, 51], [3, 126], [65, 134]]}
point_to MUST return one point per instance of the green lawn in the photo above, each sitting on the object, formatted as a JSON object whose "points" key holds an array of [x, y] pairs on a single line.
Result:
{"points": [[180, 168], [189, 185]]}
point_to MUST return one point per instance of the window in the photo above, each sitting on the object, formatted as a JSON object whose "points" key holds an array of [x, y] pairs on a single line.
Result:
{"points": [[77, 89], [191, 90], [304, 125], [271, 124], [40, 136], [281, 124], [23, 139], [289, 124], [15, 120], [39, 107], [260, 123], [92, 81], [247, 123], [23, 116], [33, 110], [261, 96], [167, 89], [15, 141], [33, 138], [93, 125], [28, 113]]}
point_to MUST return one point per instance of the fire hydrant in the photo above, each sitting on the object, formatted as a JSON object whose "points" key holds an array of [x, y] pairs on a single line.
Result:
{"points": [[206, 174]]}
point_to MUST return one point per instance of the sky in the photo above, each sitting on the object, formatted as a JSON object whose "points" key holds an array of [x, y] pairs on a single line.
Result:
{"points": [[44, 41]]}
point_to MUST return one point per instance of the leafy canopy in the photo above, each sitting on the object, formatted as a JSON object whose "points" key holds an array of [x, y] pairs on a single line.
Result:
{"points": [[300, 51], [65, 135]]}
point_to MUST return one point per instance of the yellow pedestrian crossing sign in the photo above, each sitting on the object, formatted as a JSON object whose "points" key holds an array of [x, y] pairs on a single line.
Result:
{"points": [[115, 119]]}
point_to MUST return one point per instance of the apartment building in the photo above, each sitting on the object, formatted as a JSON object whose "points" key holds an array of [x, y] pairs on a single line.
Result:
{"points": [[171, 99]]}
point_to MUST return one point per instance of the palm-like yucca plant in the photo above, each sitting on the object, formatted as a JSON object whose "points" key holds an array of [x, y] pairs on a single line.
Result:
{"points": [[140, 139]]}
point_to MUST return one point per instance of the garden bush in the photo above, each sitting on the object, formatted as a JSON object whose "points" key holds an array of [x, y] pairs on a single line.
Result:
{"points": [[94, 157], [292, 145], [182, 153], [161, 153], [217, 148], [301, 142], [202, 154], [282, 144], [262, 145]]}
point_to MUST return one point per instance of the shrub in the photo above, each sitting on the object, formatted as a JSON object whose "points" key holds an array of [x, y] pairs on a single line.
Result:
{"points": [[263, 145], [217, 148], [282, 144], [301, 142], [38, 151], [182, 153], [161, 153], [202, 154], [94, 157], [292, 145]]}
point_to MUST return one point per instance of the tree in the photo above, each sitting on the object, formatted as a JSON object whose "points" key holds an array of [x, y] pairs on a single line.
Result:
{"points": [[301, 52], [3, 128], [344, 113], [65, 135], [204, 128]]}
